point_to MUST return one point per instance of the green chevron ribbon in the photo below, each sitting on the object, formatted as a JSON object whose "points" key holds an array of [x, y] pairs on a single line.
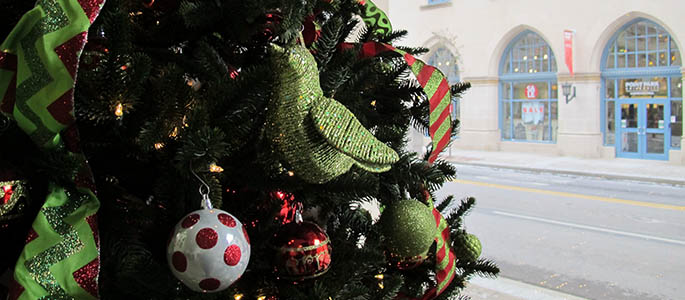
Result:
{"points": [[375, 18], [38, 65]]}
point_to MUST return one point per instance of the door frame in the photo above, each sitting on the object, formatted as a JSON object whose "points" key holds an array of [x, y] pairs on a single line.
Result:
{"points": [[642, 130]]}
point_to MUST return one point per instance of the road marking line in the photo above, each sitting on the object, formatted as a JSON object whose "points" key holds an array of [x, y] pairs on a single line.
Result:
{"points": [[572, 195], [580, 226]]}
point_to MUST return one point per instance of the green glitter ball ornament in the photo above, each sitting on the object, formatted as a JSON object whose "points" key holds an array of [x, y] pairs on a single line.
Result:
{"points": [[471, 248], [409, 229]]}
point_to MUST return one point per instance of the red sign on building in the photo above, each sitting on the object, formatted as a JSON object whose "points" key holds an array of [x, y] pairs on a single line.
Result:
{"points": [[568, 49], [531, 91]]}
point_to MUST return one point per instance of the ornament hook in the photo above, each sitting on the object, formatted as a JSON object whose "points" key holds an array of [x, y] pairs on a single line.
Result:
{"points": [[204, 190]]}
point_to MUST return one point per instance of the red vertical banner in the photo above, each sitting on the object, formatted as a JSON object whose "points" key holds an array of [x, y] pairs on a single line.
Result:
{"points": [[568, 49]]}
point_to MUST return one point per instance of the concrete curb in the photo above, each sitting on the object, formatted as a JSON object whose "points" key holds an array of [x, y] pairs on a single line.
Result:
{"points": [[661, 180]]}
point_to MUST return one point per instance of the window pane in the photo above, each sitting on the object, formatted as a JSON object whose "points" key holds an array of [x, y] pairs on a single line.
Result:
{"points": [[675, 58], [651, 43], [640, 29], [555, 122], [676, 87], [506, 120], [609, 126], [641, 60], [621, 61], [631, 61], [610, 61], [655, 115], [676, 123], [621, 42], [630, 45], [519, 127], [641, 46], [651, 59], [446, 62], [663, 42], [611, 90], [663, 58], [555, 92], [456, 114]]}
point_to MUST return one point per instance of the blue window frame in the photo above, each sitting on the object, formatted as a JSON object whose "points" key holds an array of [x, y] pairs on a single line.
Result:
{"points": [[434, 2], [528, 93], [446, 62], [640, 70]]}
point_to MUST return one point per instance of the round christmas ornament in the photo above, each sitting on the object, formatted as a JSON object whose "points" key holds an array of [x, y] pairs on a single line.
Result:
{"points": [[209, 249], [471, 248], [303, 251], [409, 229], [95, 49]]}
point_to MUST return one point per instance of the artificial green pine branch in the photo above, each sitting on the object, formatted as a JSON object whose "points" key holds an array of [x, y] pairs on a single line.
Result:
{"points": [[458, 88], [393, 36]]}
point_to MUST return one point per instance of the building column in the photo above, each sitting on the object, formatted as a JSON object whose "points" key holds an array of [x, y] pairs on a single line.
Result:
{"points": [[479, 127], [580, 133]]}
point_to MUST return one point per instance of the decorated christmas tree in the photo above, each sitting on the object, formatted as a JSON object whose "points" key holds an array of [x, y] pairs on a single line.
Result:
{"points": [[210, 149]]}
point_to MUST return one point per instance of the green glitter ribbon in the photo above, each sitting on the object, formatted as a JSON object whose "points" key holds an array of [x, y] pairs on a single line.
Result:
{"points": [[64, 245], [38, 64], [376, 19], [317, 136]]}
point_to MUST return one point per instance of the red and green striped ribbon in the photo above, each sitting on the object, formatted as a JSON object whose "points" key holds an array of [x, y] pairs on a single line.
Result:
{"points": [[445, 258], [436, 88], [38, 66]]}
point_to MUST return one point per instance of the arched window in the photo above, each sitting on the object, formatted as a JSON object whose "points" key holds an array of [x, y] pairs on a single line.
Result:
{"points": [[642, 99], [528, 90], [446, 62]]}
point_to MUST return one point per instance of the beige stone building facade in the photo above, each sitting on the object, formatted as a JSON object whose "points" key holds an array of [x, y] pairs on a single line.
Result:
{"points": [[627, 73]]}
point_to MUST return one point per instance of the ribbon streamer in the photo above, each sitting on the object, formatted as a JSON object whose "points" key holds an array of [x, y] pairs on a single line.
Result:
{"points": [[38, 66], [435, 86], [433, 81], [445, 266]]}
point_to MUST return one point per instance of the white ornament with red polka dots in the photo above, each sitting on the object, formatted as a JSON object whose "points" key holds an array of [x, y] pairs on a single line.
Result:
{"points": [[208, 250]]}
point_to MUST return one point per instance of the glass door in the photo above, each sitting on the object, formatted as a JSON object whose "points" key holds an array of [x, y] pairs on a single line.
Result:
{"points": [[628, 131], [654, 131], [642, 129]]}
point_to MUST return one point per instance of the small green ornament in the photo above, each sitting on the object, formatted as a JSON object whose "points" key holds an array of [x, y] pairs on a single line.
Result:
{"points": [[409, 228], [317, 136], [470, 249]]}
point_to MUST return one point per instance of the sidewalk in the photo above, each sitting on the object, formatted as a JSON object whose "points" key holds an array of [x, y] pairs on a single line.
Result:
{"points": [[502, 288], [617, 168]]}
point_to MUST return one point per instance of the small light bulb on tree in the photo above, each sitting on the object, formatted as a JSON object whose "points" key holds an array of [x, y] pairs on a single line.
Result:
{"points": [[214, 168], [119, 110]]}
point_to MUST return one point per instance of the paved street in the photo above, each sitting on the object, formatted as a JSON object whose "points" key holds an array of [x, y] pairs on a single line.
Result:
{"points": [[590, 237]]}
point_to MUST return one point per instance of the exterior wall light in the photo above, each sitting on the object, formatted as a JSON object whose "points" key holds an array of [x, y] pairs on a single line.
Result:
{"points": [[566, 90]]}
